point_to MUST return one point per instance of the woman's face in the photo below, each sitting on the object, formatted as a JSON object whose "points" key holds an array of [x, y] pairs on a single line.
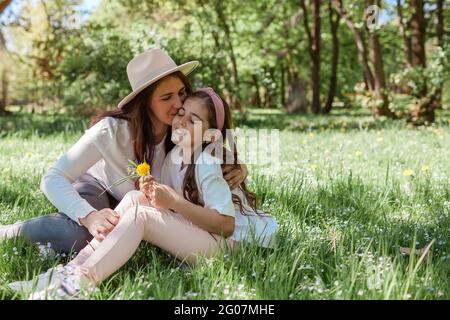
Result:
{"points": [[167, 98]]}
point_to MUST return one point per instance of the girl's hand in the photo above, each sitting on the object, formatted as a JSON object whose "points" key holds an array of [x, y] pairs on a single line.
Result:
{"points": [[161, 196], [144, 182], [234, 175]]}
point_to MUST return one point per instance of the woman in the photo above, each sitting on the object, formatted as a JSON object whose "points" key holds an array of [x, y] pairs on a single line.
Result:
{"points": [[137, 131]]}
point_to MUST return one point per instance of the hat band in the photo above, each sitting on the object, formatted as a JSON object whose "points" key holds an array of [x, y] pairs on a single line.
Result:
{"points": [[152, 75]]}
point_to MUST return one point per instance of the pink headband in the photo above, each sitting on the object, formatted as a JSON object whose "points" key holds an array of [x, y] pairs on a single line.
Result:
{"points": [[218, 105]]}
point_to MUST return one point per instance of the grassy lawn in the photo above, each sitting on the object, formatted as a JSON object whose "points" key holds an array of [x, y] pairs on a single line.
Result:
{"points": [[348, 194]]}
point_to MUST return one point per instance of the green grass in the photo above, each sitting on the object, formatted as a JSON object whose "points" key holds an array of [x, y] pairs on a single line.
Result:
{"points": [[339, 194]]}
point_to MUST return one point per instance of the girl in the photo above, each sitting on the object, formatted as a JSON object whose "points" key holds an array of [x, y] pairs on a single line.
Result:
{"points": [[136, 130], [191, 213]]}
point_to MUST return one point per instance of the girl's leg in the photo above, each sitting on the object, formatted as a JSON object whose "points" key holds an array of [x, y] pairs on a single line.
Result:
{"points": [[130, 200], [167, 230], [180, 237]]}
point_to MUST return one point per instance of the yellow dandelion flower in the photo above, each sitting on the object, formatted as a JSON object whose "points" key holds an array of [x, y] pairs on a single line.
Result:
{"points": [[358, 153], [379, 139], [425, 169], [314, 166], [408, 172], [143, 169], [311, 135]]}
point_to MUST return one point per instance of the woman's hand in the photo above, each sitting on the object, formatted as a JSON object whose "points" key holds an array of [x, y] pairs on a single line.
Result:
{"points": [[234, 175], [100, 223], [160, 195]]}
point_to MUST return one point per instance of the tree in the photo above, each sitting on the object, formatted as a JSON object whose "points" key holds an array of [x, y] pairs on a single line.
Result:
{"points": [[382, 105], [314, 51], [403, 27], [334, 26], [4, 71], [4, 4], [362, 52], [424, 108], [3, 77]]}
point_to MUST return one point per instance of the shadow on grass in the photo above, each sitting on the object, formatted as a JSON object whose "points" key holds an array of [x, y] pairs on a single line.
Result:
{"points": [[25, 125], [338, 120]]}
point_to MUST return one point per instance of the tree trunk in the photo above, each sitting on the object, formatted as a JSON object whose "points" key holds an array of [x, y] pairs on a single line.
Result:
{"points": [[256, 101], [378, 67], [334, 26], [282, 84], [440, 22], [418, 29], [4, 79], [236, 102], [4, 98], [362, 52], [424, 109], [267, 92], [296, 102], [406, 39], [222, 71], [314, 51], [440, 36], [4, 4]]}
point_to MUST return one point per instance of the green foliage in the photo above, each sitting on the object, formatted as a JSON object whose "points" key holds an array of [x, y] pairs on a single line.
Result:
{"points": [[93, 67], [245, 49]]}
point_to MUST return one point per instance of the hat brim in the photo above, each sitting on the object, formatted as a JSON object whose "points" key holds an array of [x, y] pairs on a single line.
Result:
{"points": [[185, 68]]}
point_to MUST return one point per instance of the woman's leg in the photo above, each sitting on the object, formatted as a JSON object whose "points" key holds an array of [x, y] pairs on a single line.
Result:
{"points": [[64, 234]]}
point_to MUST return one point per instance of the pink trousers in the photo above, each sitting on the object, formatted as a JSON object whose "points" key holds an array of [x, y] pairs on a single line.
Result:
{"points": [[139, 221]]}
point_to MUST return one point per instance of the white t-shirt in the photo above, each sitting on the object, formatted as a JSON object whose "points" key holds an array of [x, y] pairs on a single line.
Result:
{"points": [[215, 193], [103, 152]]}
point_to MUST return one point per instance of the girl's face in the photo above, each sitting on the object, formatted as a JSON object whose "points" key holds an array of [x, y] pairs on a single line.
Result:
{"points": [[167, 98], [190, 123]]}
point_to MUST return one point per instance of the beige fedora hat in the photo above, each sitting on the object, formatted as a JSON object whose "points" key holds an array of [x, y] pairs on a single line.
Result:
{"points": [[150, 66]]}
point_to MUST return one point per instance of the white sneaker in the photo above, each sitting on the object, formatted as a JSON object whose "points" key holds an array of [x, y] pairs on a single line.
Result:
{"points": [[39, 282], [65, 285], [9, 231]]}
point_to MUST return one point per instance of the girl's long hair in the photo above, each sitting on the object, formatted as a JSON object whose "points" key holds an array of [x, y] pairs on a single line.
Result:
{"points": [[137, 113], [190, 188]]}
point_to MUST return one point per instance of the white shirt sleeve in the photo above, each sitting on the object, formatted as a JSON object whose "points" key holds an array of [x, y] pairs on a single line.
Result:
{"points": [[56, 184], [214, 189]]}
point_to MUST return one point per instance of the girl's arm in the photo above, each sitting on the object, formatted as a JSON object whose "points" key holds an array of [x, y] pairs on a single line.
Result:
{"points": [[205, 218]]}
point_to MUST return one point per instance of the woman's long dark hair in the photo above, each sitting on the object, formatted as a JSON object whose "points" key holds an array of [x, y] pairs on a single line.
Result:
{"points": [[137, 113], [190, 188]]}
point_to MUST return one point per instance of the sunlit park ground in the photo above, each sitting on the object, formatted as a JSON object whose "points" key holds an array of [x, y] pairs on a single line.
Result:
{"points": [[351, 196]]}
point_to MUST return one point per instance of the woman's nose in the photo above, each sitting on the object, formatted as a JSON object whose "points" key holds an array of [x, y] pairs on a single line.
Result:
{"points": [[177, 103]]}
